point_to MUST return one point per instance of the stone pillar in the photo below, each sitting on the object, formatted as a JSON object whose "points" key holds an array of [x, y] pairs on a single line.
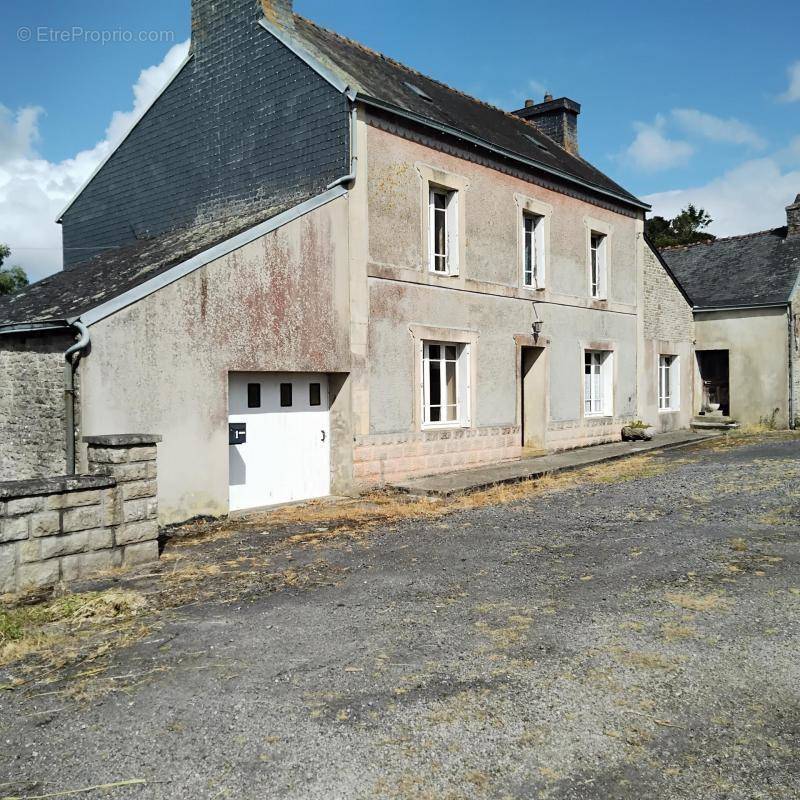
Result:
{"points": [[133, 515]]}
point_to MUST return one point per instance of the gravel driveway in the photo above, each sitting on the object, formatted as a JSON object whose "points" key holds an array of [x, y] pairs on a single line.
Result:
{"points": [[622, 636]]}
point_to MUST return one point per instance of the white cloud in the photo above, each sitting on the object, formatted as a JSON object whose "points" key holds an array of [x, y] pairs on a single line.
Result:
{"points": [[652, 150], [33, 190], [751, 197], [793, 92], [717, 129]]}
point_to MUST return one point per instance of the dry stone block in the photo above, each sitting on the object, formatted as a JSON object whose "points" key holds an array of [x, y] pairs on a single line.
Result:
{"points": [[136, 489], [80, 542], [43, 573], [45, 523], [108, 455], [75, 499], [24, 505], [13, 529], [142, 453], [7, 567], [136, 532], [29, 551], [141, 553], [133, 510], [82, 518], [82, 565]]}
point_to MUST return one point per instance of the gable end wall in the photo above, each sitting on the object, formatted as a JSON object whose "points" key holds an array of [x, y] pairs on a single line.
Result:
{"points": [[246, 123]]}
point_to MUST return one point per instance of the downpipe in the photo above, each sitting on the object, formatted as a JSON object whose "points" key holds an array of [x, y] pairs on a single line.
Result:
{"points": [[71, 358], [345, 179]]}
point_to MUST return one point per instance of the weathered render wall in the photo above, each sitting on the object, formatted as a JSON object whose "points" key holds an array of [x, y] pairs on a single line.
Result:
{"points": [[277, 304], [32, 430], [487, 301], [62, 529], [751, 337], [245, 122], [668, 326]]}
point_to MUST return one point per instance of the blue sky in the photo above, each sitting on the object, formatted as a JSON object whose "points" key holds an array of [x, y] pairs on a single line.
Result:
{"points": [[681, 101]]}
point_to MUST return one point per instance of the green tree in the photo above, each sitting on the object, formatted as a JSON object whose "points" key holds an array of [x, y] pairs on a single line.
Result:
{"points": [[12, 279], [685, 228]]}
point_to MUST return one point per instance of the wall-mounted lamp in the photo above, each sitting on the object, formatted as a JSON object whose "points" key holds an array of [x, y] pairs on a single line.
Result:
{"points": [[537, 323]]}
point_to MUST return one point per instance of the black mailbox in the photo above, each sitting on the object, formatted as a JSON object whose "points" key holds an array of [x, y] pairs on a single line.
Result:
{"points": [[237, 432]]}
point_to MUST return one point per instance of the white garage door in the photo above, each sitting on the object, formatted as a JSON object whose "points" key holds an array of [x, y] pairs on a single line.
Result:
{"points": [[279, 438]]}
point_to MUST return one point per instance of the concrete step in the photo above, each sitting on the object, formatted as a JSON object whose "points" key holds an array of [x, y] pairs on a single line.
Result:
{"points": [[713, 423]]}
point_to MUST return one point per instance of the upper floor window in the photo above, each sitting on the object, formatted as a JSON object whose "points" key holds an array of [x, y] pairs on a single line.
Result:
{"points": [[445, 369], [597, 265], [668, 383], [532, 251], [443, 231], [598, 392]]}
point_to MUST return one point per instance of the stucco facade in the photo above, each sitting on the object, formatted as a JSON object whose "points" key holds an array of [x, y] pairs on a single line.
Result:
{"points": [[278, 304], [485, 304], [751, 337]]}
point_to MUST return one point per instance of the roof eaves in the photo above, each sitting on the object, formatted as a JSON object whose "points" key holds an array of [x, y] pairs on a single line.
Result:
{"points": [[740, 307], [51, 326], [97, 169], [530, 162], [213, 253]]}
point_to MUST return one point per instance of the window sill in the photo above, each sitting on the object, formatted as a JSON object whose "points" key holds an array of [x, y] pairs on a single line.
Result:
{"points": [[439, 426], [600, 415], [668, 410]]}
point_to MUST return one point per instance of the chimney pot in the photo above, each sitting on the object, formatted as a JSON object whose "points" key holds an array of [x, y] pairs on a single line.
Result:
{"points": [[529, 104], [547, 97], [793, 218]]}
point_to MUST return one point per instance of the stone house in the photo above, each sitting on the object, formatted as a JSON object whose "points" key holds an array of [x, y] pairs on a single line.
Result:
{"points": [[311, 269], [745, 292]]}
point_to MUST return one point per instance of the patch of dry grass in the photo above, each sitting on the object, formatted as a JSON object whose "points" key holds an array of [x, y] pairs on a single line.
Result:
{"points": [[696, 602]]}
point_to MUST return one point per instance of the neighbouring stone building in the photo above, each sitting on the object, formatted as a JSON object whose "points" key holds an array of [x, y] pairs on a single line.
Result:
{"points": [[667, 399], [312, 269], [746, 296]]}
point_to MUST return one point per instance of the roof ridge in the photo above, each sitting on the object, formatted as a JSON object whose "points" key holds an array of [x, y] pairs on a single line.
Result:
{"points": [[447, 86], [716, 239]]}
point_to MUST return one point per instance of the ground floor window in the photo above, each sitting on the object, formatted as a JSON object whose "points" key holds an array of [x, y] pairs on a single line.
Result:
{"points": [[444, 383], [668, 383], [597, 383]]}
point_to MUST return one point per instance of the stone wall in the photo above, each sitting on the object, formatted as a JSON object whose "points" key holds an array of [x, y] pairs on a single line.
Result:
{"points": [[32, 406], [667, 313], [385, 458], [66, 528]]}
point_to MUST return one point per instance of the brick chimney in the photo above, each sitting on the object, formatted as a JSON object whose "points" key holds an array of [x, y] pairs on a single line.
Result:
{"points": [[558, 119], [222, 19], [793, 218]]}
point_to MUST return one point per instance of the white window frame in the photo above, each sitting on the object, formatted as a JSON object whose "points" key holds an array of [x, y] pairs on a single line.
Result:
{"points": [[462, 384], [533, 244], [598, 386], [433, 178], [451, 220], [669, 382], [598, 265], [530, 207]]}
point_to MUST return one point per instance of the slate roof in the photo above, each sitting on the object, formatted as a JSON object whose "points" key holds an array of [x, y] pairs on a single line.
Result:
{"points": [[67, 294], [751, 270], [375, 76]]}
